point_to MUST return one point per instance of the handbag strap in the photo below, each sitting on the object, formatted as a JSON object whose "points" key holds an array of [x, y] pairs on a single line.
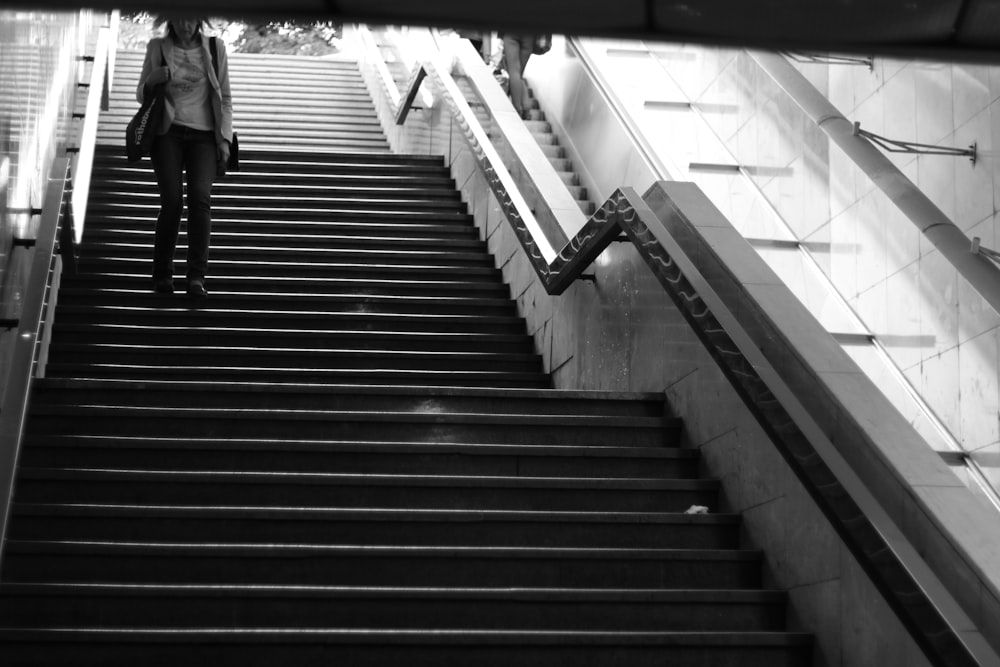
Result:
{"points": [[215, 55]]}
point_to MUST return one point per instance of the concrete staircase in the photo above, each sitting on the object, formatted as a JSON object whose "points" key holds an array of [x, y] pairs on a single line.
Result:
{"points": [[349, 453]]}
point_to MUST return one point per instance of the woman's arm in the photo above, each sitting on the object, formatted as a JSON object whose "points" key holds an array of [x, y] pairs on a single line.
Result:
{"points": [[151, 75], [226, 91]]}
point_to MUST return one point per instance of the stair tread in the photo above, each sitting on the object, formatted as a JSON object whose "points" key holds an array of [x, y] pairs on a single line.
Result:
{"points": [[651, 595], [307, 297], [370, 514], [452, 417], [592, 394], [182, 306], [123, 441], [281, 550], [384, 636], [368, 480]]}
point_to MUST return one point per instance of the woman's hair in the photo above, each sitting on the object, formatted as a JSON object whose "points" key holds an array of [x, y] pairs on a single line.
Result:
{"points": [[164, 21]]}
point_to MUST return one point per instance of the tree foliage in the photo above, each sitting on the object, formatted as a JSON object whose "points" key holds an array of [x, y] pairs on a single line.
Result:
{"points": [[302, 38], [315, 38]]}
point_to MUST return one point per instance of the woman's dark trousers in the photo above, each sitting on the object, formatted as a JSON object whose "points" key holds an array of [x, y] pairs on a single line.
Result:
{"points": [[182, 151]]}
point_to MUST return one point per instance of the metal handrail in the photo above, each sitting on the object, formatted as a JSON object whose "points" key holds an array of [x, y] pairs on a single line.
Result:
{"points": [[487, 158], [31, 326], [925, 606]]}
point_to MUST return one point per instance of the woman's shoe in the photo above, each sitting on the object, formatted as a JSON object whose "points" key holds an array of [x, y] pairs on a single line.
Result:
{"points": [[163, 286], [196, 289]]}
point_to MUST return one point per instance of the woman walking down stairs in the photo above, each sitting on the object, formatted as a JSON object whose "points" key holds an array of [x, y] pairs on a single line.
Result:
{"points": [[350, 454]]}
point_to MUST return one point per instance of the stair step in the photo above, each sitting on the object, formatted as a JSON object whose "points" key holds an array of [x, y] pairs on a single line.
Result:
{"points": [[177, 310], [332, 424], [384, 398], [201, 356], [383, 190], [275, 188], [227, 221], [387, 163], [368, 565], [350, 211], [308, 206], [63, 485], [372, 525], [385, 647], [313, 302], [318, 339], [315, 285], [360, 457], [166, 606], [338, 376]]}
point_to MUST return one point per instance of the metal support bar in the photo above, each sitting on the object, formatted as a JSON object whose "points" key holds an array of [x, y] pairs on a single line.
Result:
{"points": [[897, 146], [412, 88], [985, 252], [830, 59], [32, 211]]}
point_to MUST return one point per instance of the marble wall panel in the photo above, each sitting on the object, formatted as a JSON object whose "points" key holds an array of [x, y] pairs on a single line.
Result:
{"points": [[934, 101], [973, 180], [938, 289], [978, 362]]}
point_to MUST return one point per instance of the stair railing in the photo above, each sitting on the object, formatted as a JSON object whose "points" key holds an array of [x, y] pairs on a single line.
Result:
{"points": [[926, 607], [32, 330]]}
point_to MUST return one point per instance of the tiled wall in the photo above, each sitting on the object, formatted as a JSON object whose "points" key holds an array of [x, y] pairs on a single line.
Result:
{"points": [[941, 334], [935, 329], [39, 69]]}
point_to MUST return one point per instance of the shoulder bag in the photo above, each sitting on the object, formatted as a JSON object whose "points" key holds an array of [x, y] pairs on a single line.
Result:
{"points": [[141, 130], [234, 145]]}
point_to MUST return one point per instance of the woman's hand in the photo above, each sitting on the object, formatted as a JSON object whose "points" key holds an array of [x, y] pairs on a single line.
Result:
{"points": [[158, 75], [222, 152]]}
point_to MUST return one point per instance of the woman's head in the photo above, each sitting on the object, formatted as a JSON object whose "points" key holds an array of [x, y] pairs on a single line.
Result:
{"points": [[182, 27]]}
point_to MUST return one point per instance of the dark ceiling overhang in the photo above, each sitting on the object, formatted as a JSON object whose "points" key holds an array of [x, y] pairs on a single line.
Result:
{"points": [[940, 29]]}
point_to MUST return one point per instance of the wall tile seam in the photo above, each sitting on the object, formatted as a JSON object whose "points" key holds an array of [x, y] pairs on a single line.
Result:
{"points": [[818, 582], [986, 446], [756, 505], [679, 379], [734, 431], [562, 364]]}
